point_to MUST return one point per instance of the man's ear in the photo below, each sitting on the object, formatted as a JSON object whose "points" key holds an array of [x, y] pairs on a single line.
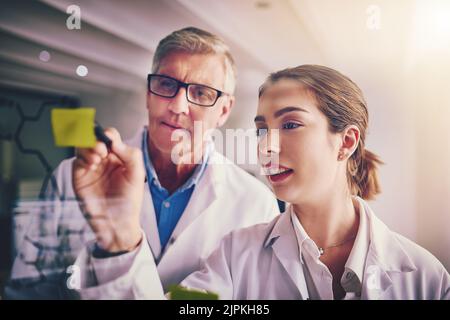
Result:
{"points": [[349, 143], [226, 109]]}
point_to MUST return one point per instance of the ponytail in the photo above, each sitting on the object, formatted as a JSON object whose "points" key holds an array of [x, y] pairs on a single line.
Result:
{"points": [[363, 173]]}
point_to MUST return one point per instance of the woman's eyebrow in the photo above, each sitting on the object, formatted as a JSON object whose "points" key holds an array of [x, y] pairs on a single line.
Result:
{"points": [[280, 112]]}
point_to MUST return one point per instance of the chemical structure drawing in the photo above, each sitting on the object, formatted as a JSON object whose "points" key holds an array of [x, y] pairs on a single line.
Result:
{"points": [[23, 119], [54, 231]]}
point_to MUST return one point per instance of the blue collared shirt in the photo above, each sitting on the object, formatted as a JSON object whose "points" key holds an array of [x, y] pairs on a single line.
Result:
{"points": [[169, 207]]}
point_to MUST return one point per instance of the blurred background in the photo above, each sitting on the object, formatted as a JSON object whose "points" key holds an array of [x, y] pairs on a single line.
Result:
{"points": [[398, 52]]}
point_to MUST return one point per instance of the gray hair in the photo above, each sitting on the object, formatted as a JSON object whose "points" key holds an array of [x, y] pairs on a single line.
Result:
{"points": [[196, 41]]}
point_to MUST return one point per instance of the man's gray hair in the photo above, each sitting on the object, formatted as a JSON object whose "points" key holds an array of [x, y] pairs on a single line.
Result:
{"points": [[196, 41]]}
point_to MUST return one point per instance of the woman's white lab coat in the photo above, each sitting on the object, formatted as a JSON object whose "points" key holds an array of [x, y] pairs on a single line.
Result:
{"points": [[262, 262]]}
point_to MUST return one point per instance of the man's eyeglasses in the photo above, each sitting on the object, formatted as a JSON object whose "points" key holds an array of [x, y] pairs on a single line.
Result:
{"points": [[198, 94]]}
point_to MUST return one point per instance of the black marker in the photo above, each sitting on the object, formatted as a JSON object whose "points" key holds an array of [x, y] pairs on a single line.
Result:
{"points": [[101, 136]]}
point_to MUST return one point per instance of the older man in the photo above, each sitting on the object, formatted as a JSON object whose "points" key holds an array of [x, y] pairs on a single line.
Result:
{"points": [[146, 202]]}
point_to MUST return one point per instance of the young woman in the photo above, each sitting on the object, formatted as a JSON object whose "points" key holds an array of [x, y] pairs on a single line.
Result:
{"points": [[328, 244], [328, 233]]}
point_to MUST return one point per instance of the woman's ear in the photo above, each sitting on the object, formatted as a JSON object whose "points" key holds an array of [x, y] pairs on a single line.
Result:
{"points": [[349, 143]]}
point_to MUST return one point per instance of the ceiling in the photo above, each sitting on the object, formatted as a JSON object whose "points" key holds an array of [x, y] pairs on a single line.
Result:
{"points": [[117, 40]]}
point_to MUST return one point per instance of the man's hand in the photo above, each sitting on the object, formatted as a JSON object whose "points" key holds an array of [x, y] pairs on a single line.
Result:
{"points": [[110, 187]]}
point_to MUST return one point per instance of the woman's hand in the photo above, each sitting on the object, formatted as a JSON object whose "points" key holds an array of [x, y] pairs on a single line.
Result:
{"points": [[110, 186]]}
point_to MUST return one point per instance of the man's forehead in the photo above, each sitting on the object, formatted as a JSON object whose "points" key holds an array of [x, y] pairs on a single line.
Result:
{"points": [[206, 69], [195, 62]]}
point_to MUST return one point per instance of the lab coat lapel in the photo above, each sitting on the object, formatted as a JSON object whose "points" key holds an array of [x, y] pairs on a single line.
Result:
{"points": [[148, 216], [376, 279], [385, 256], [149, 223], [204, 195], [285, 248]]}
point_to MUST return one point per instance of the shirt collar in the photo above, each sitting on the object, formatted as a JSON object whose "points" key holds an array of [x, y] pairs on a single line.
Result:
{"points": [[304, 241], [153, 177], [357, 258]]}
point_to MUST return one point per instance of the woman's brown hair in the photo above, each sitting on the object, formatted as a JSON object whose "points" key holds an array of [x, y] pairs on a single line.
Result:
{"points": [[343, 103]]}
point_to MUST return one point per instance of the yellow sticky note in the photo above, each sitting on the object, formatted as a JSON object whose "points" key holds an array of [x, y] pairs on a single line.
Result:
{"points": [[73, 127]]}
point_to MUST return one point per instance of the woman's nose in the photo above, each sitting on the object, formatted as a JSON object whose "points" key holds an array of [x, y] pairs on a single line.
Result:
{"points": [[270, 142]]}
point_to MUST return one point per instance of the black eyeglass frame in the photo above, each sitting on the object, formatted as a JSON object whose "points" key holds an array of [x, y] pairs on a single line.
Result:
{"points": [[184, 85]]}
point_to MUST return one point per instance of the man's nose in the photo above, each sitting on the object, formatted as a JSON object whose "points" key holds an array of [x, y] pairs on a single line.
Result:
{"points": [[179, 103]]}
